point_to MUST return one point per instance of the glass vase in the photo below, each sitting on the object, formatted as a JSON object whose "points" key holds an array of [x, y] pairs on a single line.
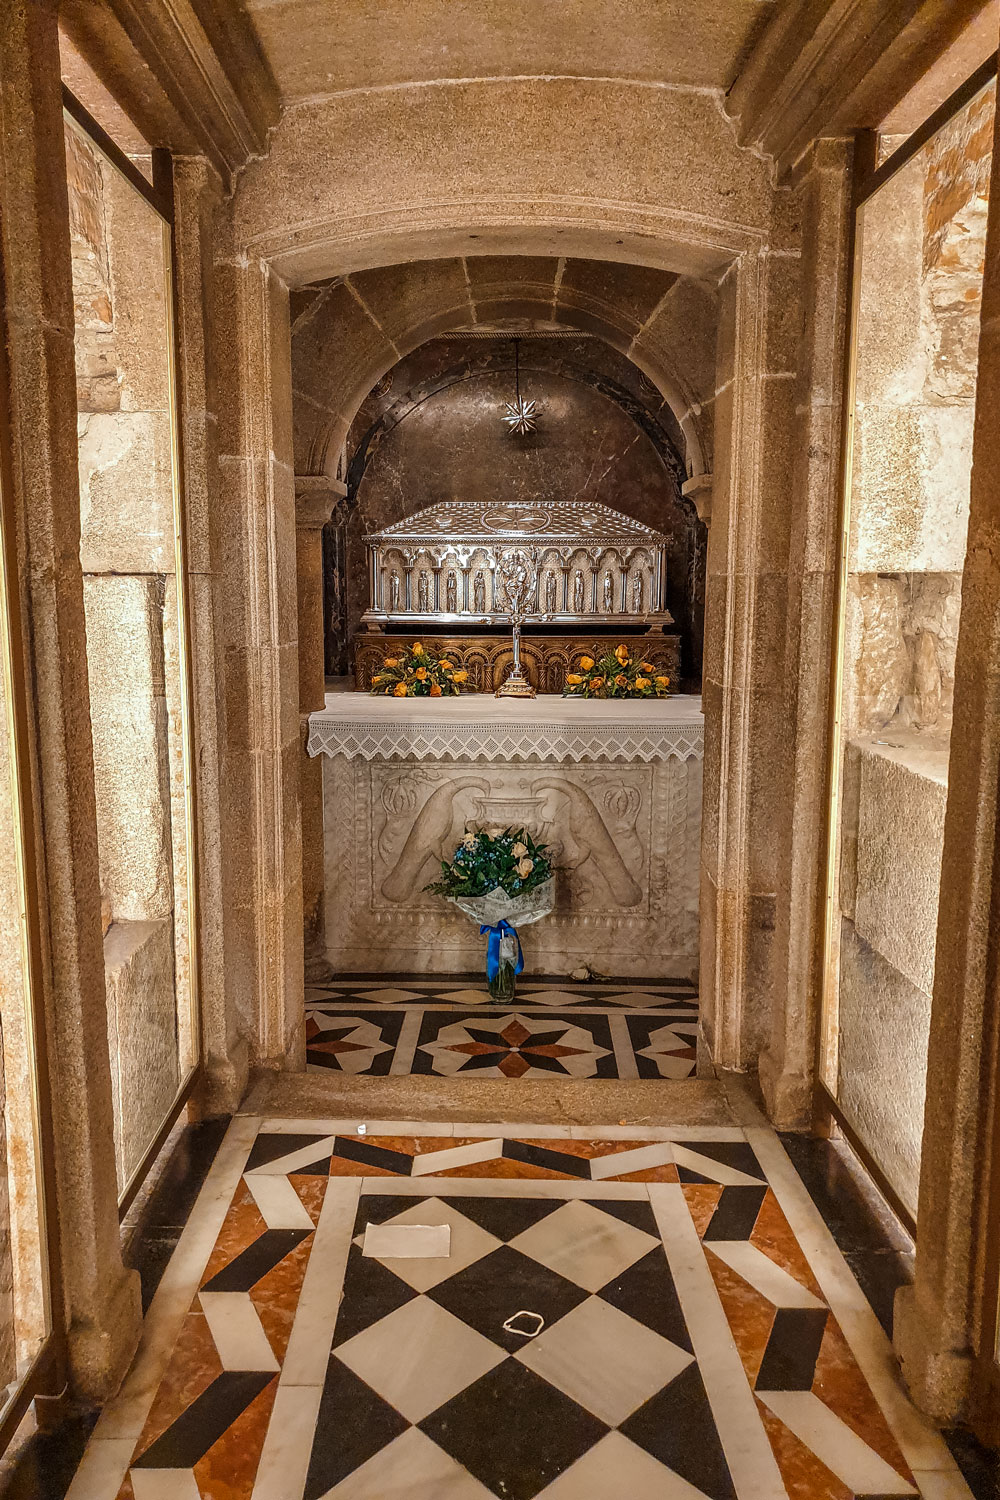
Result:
{"points": [[503, 985]]}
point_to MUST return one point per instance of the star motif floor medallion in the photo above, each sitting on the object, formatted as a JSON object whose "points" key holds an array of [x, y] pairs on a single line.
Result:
{"points": [[511, 1046]]}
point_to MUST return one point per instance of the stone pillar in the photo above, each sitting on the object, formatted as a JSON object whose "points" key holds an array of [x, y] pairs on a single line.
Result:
{"points": [[787, 1065], [204, 374], [937, 1324], [316, 498], [257, 608], [743, 681], [101, 1298]]}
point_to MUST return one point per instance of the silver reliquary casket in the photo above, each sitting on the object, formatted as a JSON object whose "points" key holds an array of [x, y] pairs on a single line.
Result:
{"points": [[442, 565]]}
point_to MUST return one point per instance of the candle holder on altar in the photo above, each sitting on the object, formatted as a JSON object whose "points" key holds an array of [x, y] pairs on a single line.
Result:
{"points": [[516, 588]]}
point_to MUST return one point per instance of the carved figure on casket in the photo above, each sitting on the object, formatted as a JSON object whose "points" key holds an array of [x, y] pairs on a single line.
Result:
{"points": [[451, 593], [394, 592], [424, 591], [578, 592], [550, 593], [609, 594], [637, 592], [479, 593]]}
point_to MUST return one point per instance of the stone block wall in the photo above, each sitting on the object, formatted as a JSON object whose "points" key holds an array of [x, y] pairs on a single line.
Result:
{"points": [[891, 842], [922, 260], [142, 1030], [134, 664], [129, 725]]}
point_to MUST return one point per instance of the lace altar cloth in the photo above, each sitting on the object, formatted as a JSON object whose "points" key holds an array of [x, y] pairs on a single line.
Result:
{"points": [[479, 727]]}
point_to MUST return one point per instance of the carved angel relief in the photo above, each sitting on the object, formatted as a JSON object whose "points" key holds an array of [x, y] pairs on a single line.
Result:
{"points": [[567, 817]]}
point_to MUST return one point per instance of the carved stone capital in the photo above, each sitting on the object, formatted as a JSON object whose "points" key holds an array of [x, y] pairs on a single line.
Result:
{"points": [[699, 490], [316, 498]]}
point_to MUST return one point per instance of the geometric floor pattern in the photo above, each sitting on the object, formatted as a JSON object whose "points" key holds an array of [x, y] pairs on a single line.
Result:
{"points": [[448, 1027], [651, 1314]]}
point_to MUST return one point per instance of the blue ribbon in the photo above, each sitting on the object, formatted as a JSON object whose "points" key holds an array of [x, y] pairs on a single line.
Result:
{"points": [[493, 949]]}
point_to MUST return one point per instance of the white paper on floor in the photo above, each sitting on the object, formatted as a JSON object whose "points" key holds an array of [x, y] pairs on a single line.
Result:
{"points": [[407, 1241], [526, 1330]]}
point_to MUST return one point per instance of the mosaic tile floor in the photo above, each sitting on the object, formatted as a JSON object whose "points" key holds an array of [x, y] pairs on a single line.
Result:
{"points": [[660, 1314], [554, 1029]]}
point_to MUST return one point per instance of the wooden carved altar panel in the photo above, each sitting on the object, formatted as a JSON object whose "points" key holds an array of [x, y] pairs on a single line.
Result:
{"points": [[546, 659]]}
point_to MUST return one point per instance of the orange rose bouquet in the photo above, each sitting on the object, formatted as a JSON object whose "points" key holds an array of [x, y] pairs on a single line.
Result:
{"points": [[619, 674], [419, 672]]}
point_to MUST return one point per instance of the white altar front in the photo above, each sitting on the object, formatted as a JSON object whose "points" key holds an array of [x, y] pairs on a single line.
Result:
{"points": [[614, 788]]}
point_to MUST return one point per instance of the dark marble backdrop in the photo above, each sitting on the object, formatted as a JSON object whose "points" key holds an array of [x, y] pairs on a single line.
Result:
{"points": [[431, 430]]}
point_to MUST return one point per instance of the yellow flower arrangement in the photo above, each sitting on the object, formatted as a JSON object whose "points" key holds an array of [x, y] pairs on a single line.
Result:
{"points": [[616, 675], [418, 673]]}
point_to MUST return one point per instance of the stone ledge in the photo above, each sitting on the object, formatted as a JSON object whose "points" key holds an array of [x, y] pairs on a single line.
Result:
{"points": [[901, 791]]}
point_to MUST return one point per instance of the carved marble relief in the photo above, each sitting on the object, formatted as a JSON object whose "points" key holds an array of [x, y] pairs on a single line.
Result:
{"points": [[626, 840]]}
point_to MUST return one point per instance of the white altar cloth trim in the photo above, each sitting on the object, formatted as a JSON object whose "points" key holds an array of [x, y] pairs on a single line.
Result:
{"points": [[481, 727]]}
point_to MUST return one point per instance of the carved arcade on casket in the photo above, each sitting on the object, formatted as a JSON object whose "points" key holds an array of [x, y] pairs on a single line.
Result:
{"points": [[440, 566], [545, 659]]}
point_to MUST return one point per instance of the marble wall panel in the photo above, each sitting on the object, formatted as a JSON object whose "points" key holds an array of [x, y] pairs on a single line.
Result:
{"points": [[625, 836]]}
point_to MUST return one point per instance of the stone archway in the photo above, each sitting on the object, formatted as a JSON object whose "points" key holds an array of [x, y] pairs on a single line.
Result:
{"points": [[658, 213]]}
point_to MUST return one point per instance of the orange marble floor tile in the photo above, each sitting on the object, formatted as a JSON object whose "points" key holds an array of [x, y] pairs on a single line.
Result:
{"points": [[194, 1364], [840, 1383], [242, 1225], [276, 1296], [750, 1316], [228, 1470], [666, 1173], [596, 1149], [702, 1199], [501, 1167], [773, 1236], [311, 1192], [805, 1478]]}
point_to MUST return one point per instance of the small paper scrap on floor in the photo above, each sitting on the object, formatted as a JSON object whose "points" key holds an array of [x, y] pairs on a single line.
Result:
{"points": [[408, 1241], [528, 1324]]}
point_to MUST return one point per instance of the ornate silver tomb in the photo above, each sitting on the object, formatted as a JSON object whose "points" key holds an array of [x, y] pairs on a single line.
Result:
{"points": [[440, 566]]}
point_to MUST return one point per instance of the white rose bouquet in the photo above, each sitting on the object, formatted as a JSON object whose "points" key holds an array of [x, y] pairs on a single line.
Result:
{"points": [[499, 877]]}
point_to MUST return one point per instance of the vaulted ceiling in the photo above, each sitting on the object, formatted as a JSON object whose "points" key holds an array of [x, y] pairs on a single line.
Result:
{"points": [[315, 47]]}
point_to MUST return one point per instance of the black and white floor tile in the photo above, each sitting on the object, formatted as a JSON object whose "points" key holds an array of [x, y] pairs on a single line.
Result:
{"points": [[658, 1314], [553, 1029]]}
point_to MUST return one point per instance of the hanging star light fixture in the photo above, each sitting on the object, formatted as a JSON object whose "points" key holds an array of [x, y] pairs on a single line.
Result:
{"points": [[520, 416]]}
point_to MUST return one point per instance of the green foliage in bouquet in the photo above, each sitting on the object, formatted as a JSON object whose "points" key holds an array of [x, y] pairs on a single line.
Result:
{"points": [[492, 857], [617, 675], [419, 672]]}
